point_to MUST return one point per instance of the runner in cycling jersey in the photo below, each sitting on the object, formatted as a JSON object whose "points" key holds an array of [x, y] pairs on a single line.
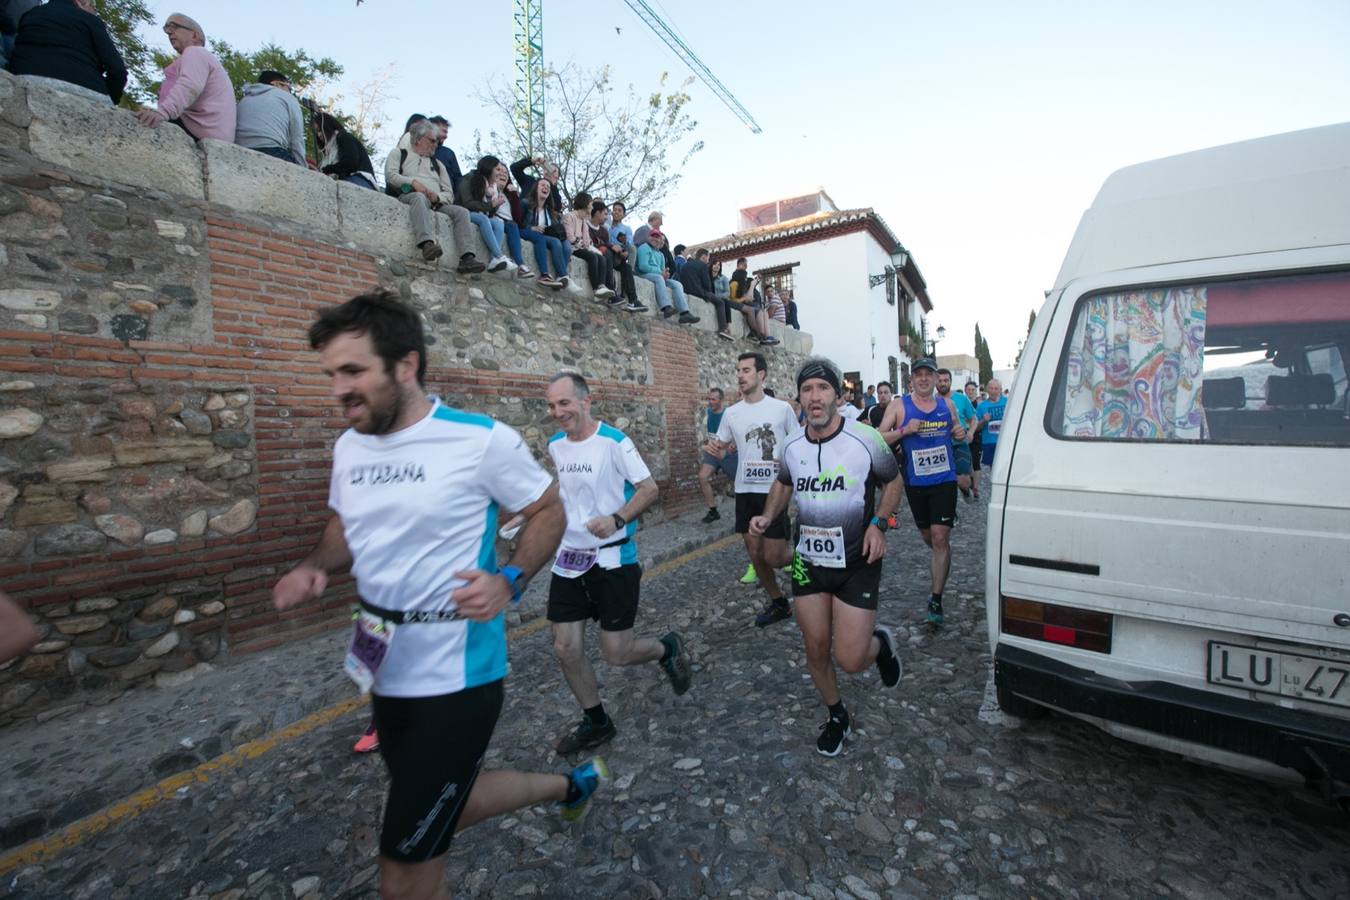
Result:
{"points": [[415, 491], [928, 424], [605, 487], [834, 466]]}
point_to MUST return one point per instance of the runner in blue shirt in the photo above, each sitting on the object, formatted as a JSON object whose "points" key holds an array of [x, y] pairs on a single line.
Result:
{"points": [[929, 428], [990, 414], [965, 413]]}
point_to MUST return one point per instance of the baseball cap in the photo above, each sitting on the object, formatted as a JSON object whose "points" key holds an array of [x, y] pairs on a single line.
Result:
{"points": [[924, 363]]}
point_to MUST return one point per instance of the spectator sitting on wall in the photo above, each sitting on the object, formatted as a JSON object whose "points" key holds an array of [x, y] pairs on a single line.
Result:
{"points": [[680, 259], [654, 220], [651, 265], [539, 225], [773, 305], [791, 304], [197, 94], [577, 224], [11, 11], [445, 154], [473, 196], [745, 293], [721, 283], [697, 281], [422, 183], [505, 203], [66, 44], [268, 119], [619, 240], [341, 155], [603, 244], [547, 172]]}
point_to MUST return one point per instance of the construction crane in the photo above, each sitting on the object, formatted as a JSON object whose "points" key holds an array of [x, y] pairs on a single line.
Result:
{"points": [[529, 93]]}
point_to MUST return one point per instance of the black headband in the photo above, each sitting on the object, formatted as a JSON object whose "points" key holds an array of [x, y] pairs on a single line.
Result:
{"points": [[821, 371]]}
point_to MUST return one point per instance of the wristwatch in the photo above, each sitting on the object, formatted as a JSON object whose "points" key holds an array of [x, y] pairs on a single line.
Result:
{"points": [[880, 524], [619, 522], [516, 579]]}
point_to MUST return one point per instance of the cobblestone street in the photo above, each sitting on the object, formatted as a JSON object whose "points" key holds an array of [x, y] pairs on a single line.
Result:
{"points": [[720, 792]]}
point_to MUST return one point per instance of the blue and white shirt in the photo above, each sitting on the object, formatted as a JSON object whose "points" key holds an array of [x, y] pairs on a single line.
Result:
{"points": [[596, 477], [417, 506]]}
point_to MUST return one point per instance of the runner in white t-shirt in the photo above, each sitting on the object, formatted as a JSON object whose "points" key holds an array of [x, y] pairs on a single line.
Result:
{"points": [[605, 486], [756, 427], [415, 490]]}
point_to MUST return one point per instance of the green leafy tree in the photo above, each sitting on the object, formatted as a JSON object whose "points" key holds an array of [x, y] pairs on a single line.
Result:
{"points": [[123, 17], [983, 355], [629, 148], [1022, 346]]}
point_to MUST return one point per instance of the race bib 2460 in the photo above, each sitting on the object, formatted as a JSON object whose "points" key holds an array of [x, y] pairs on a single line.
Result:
{"points": [[757, 471]]}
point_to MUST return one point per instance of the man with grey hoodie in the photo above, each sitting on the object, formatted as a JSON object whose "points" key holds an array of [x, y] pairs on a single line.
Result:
{"points": [[269, 119]]}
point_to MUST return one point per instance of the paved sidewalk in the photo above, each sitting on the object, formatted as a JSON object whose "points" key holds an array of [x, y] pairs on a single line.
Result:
{"points": [[56, 772]]}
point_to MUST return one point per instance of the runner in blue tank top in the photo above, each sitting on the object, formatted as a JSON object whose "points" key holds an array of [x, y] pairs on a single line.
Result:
{"points": [[928, 424]]}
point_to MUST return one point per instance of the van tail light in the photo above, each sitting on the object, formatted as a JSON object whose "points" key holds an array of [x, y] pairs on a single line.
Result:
{"points": [[1081, 628]]}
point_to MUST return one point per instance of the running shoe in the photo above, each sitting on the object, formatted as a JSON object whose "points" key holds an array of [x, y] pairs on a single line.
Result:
{"points": [[934, 612], [832, 735], [369, 741], [634, 306], [677, 664], [750, 577], [497, 263], [965, 494], [712, 516], [603, 293], [773, 612], [617, 300], [586, 735], [889, 666], [588, 777]]}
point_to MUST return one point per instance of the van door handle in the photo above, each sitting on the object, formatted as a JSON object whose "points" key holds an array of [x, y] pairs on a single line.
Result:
{"points": [[1342, 619]]}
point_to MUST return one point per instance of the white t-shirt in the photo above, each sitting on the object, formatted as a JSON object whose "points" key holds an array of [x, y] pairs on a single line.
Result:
{"points": [[849, 411], [758, 430], [596, 477], [417, 506]]}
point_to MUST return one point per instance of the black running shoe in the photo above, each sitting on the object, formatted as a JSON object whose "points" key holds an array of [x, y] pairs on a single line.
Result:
{"points": [[676, 665], [712, 516], [934, 612], [888, 661], [832, 735], [586, 735], [774, 612]]}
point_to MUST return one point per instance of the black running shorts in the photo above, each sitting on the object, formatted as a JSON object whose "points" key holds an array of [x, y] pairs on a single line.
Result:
{"points": [[932, 505], [433, 748], [855, 585], [610, 596], [750, 505]]}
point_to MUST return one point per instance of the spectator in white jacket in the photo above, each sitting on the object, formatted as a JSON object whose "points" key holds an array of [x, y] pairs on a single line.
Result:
{"points": [[414, 175]]}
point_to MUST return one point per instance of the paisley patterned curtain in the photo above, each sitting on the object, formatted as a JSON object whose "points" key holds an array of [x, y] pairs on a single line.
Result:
{"points": [[1134, 367]]}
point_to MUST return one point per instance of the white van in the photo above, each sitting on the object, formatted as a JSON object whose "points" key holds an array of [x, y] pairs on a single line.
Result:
{"points": [[1169, 528]]}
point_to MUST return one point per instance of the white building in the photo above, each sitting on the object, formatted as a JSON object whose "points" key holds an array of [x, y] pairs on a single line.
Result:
{"points": [[964, 367], [858, 291]]}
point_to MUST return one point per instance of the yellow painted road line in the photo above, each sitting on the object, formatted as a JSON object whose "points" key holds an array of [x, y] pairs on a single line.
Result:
{"points": [[142, 801]]}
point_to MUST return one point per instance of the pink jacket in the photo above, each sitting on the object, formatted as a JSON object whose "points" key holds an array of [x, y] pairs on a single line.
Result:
{"points": [[198, 92], [578, 229]]}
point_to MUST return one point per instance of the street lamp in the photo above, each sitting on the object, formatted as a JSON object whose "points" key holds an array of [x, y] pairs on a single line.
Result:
{"points": [[938, 335]]}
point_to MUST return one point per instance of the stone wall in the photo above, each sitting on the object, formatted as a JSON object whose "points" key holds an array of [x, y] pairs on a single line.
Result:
{"points": [[165, 432]]}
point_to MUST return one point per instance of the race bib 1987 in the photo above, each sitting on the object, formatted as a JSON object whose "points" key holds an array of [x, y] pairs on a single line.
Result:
{"points": [[822, 546], [571, 563], [995, 426]]}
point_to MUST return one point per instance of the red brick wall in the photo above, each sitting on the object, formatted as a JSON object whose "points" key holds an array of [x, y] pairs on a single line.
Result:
{"points": [[265, 288]]}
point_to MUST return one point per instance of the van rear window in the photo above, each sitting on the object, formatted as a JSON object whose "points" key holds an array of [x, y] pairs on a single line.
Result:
{"points": [[1257, 361]]}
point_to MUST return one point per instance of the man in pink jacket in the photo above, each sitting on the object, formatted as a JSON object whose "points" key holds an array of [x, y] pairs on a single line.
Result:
{"points": [[196, 94]]}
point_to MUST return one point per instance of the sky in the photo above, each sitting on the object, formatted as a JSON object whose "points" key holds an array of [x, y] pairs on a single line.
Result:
{"points": [[979, 131]]}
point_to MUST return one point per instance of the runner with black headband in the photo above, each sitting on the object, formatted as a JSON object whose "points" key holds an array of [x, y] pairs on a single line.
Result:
{"points": [[834, 467]]}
